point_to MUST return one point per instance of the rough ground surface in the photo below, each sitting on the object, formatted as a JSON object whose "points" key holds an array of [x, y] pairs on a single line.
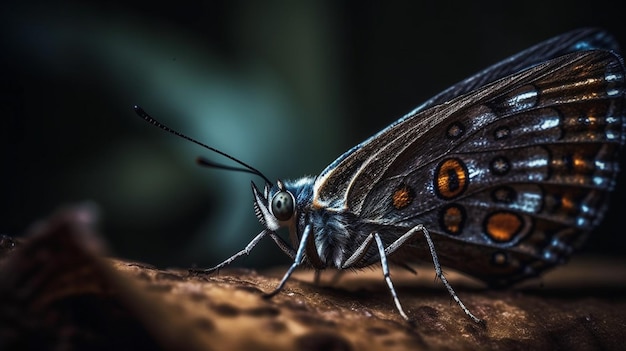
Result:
{"points": [[58, 290]]}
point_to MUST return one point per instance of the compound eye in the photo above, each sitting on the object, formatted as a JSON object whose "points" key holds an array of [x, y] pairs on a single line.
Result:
{"points": [[282, 205]]}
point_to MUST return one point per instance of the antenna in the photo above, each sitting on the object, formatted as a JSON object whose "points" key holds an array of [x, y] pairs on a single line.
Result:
{"points": [[201, 160]]}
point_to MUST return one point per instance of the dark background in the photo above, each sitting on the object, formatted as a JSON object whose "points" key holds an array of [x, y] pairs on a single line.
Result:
{"points": [[285, 86]]}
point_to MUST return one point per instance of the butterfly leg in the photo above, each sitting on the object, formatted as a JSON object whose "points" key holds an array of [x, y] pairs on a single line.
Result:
{"points": [[335, 279], [283, 246], [246, 251], [318, 277], [385, 266], [431, 246], [297, 261], [358, 255]]}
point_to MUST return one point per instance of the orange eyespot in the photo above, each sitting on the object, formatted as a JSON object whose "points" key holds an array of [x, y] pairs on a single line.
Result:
{"points": [[499, 259], [503, 226], [452, 219], [403, 197], [451, 178]]}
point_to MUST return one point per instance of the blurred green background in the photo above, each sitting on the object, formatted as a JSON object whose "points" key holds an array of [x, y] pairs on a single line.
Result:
{"points": [[283, 85]]}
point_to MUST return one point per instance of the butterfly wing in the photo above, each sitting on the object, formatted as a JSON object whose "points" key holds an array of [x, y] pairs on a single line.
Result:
{"points": [[577, 40], [509, 176], [335, 183]]}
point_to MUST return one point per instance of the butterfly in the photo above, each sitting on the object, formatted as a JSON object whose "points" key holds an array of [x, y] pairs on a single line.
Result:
{"points": [[500, 176]]}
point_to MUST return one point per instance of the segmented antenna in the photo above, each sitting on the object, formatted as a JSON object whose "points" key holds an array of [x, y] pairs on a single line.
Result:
{"points": [[201, 160]]}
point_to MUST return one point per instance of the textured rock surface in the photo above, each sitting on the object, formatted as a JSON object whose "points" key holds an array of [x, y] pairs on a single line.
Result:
{"points": [[58, 291]]}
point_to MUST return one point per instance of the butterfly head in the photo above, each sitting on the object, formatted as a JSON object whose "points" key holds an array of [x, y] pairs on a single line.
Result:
{"points": [[284, 205], [275, 207]]}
